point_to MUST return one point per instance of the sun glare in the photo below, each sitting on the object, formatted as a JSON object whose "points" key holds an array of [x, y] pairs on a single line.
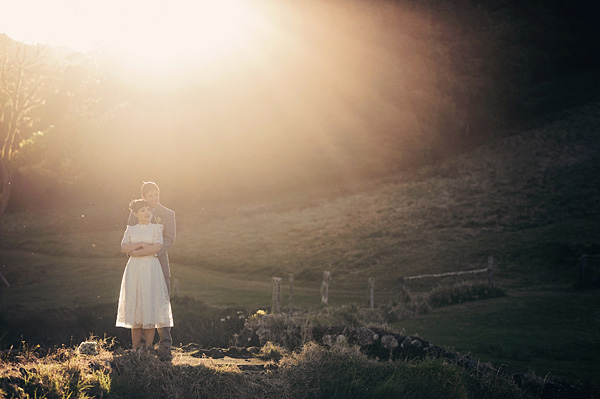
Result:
{"points": [[149, 35], [182, 35], [257, 82]]}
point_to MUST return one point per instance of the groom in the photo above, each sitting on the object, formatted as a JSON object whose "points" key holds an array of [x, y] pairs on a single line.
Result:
{"points": [[166, 217]]}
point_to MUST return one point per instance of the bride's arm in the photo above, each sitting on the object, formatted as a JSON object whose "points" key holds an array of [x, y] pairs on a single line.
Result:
{"points": [[128, 247], [149, 249]]}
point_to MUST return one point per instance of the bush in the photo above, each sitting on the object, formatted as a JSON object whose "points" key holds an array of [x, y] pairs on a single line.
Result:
{"points": [[281, 329], [396, 311], [462, 292], [272, 351]]}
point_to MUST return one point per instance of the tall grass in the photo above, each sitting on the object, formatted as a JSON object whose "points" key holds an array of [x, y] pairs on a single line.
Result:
{"points": [[312, 372]]}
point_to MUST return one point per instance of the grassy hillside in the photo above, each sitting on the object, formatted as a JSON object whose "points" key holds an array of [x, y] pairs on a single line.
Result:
{"points": [[529, 198]]}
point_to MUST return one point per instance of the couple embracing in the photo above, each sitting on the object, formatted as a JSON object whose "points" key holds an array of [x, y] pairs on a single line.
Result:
{"points": [[144, 299]]}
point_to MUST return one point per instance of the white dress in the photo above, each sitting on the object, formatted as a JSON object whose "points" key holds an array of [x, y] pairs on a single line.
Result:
{"points": [[144, 299]]}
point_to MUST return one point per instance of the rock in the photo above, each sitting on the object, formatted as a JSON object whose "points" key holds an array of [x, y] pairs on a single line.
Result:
{"points": [[363, 336], [263, 335], [389, 342], [248, 338], [88, 348], [241, 353], [340, 339]]}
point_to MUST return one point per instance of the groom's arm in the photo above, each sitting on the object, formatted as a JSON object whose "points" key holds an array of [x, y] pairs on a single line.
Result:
{"points": [[132, 221], [169, 232]]}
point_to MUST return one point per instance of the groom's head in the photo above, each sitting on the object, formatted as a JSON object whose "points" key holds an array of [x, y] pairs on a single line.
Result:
{"points": [[150, 193]]}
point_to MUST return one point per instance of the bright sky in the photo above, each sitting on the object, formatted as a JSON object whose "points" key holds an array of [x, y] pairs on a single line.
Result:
{"points": [[151, 33]]}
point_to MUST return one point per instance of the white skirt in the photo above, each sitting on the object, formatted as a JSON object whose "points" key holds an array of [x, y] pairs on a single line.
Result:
{"points": [[144, 299]]}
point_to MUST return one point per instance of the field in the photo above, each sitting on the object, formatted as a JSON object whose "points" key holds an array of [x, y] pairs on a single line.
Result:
{"points": [[529, 198]]}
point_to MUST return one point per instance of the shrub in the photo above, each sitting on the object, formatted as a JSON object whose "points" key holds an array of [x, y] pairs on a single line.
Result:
{"points": [[272, 351], [396, 311], [347, 315], [281, 329], [462, 292]]}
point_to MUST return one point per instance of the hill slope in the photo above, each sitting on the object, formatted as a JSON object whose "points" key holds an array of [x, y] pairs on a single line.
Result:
{"points": [[529, 199]]}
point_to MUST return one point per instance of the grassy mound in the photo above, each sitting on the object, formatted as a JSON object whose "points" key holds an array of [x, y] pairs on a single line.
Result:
{"points": [[311, 372]]}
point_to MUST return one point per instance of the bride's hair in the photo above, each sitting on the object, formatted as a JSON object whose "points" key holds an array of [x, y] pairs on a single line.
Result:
{"points": [[137, 204]]}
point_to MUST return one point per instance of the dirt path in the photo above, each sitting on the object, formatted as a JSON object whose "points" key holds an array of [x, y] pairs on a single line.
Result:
{"points": [[252, 364]]}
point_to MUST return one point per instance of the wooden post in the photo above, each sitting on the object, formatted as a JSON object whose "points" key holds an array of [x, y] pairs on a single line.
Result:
{"points": [[276, 295], [291, 279], [491, 271], [325, 287], [371, 292]]}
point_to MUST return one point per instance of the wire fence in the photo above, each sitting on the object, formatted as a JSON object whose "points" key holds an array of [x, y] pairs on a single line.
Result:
{"points": [[276, 305]]}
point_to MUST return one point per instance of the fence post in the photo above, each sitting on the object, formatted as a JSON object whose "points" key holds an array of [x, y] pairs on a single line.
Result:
{"points": [[371, 292], [325, 287], [276, 295], [491, 271], [291, 279]]}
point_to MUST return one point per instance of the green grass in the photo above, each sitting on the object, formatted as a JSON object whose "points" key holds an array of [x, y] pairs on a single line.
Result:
{"points": [[529, 199], [551, 333]]}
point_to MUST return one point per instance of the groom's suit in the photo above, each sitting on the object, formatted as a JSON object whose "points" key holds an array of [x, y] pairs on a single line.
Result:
{"points": [[166, 217]]}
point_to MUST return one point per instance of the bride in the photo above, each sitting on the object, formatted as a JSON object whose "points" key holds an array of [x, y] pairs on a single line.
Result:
{"points": [[144, 302]]}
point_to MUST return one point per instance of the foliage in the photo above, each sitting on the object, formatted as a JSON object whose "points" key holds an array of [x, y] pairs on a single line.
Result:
{"points": [[282, 329], [23, 77], [47, 102], [462, 292], [272, 351]]}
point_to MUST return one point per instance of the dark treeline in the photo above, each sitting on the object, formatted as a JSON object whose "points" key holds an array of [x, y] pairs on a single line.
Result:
{"points": [[357, 89]]}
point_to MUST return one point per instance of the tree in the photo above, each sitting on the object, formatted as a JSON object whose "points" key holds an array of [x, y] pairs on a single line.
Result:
{"points": [[50, 105], [23, 78]]}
